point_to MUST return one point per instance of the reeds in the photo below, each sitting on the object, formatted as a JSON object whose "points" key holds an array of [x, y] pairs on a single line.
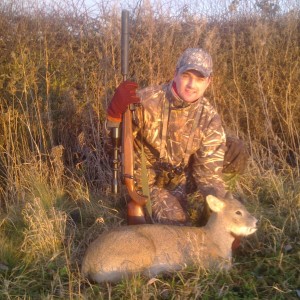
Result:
{"points": [[58, 70]]}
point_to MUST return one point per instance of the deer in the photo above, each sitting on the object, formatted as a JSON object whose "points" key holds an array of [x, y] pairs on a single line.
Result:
{"points": [[151, 249]]}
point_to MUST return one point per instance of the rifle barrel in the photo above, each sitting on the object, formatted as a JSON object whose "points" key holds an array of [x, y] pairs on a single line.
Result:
{"points": [[124, 43]]}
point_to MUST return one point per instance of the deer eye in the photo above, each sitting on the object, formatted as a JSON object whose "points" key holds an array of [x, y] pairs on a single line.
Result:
{"points": [[239, 213]]}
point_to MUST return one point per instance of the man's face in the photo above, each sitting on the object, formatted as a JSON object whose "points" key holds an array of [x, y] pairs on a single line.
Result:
{"points": [[191, 85]]}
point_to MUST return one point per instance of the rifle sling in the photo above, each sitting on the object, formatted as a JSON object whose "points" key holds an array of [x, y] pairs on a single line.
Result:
{"points": [[145, 184]]}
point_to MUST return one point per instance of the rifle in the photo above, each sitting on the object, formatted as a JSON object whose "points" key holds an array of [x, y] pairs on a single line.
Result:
{"points": [[115, 138], [135, 213]]}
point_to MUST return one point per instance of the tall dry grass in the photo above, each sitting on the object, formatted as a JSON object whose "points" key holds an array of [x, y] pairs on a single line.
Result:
{"points": [[58, 69]]}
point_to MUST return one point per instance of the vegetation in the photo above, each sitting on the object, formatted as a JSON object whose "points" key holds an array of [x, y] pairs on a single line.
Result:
{"points": [[58, 69]]}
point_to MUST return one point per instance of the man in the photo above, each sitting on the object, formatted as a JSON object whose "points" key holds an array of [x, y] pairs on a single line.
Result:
{"points": [[181, 137]]}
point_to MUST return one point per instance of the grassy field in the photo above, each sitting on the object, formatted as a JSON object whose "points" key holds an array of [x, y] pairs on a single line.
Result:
{"points": [[58, 71]]}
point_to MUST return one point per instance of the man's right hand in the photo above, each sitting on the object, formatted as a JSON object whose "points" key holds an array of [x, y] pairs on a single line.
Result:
{"points": [[125, 94]]}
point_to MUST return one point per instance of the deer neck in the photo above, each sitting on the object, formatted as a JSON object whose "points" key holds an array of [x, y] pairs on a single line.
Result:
{"points": [[219, 236]]}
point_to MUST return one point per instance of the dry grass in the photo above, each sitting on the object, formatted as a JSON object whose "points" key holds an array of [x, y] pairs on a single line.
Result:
{"points": [[58, 70]]}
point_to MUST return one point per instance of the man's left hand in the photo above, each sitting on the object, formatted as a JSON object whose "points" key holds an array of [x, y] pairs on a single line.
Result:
{"points": [[236, 156]]}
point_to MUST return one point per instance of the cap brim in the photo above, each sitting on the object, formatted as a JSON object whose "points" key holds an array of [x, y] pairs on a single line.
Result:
{"points": [[203, 71]]}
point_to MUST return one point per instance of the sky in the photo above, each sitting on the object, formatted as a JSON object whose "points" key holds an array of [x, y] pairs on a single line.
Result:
{"points": [[193, 7], [197, 7]]}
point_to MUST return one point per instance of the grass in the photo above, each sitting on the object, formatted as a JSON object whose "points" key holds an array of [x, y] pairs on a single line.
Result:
{"points": [[43, 247], [55, 171]]}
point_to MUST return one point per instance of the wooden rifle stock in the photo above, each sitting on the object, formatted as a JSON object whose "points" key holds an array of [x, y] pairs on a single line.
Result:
{"points": [[128, 160]]}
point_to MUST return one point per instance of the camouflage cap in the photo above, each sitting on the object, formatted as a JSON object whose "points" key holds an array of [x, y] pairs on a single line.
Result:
{"points": [[195, 59]]}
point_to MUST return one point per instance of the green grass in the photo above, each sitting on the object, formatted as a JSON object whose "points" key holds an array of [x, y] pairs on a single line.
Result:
{"points": [[42, 248], [54, 169]]}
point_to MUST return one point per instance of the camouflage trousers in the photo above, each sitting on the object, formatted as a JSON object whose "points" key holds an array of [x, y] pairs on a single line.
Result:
{"points": [[176, 207], [179, 207]]}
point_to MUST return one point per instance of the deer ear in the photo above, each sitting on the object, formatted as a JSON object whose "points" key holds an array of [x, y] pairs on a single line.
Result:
{"points": [[229, 195], [214, 203]]}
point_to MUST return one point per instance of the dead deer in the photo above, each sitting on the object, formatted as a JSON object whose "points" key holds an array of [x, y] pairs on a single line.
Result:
{"points": [[151, 249]]}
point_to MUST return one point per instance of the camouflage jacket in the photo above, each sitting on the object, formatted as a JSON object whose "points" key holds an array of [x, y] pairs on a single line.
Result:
{"points": [[200, 162]]}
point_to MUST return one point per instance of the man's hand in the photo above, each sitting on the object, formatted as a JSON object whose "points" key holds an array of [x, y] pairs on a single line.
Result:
{"points": [[236, 156], [125, 94]]}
